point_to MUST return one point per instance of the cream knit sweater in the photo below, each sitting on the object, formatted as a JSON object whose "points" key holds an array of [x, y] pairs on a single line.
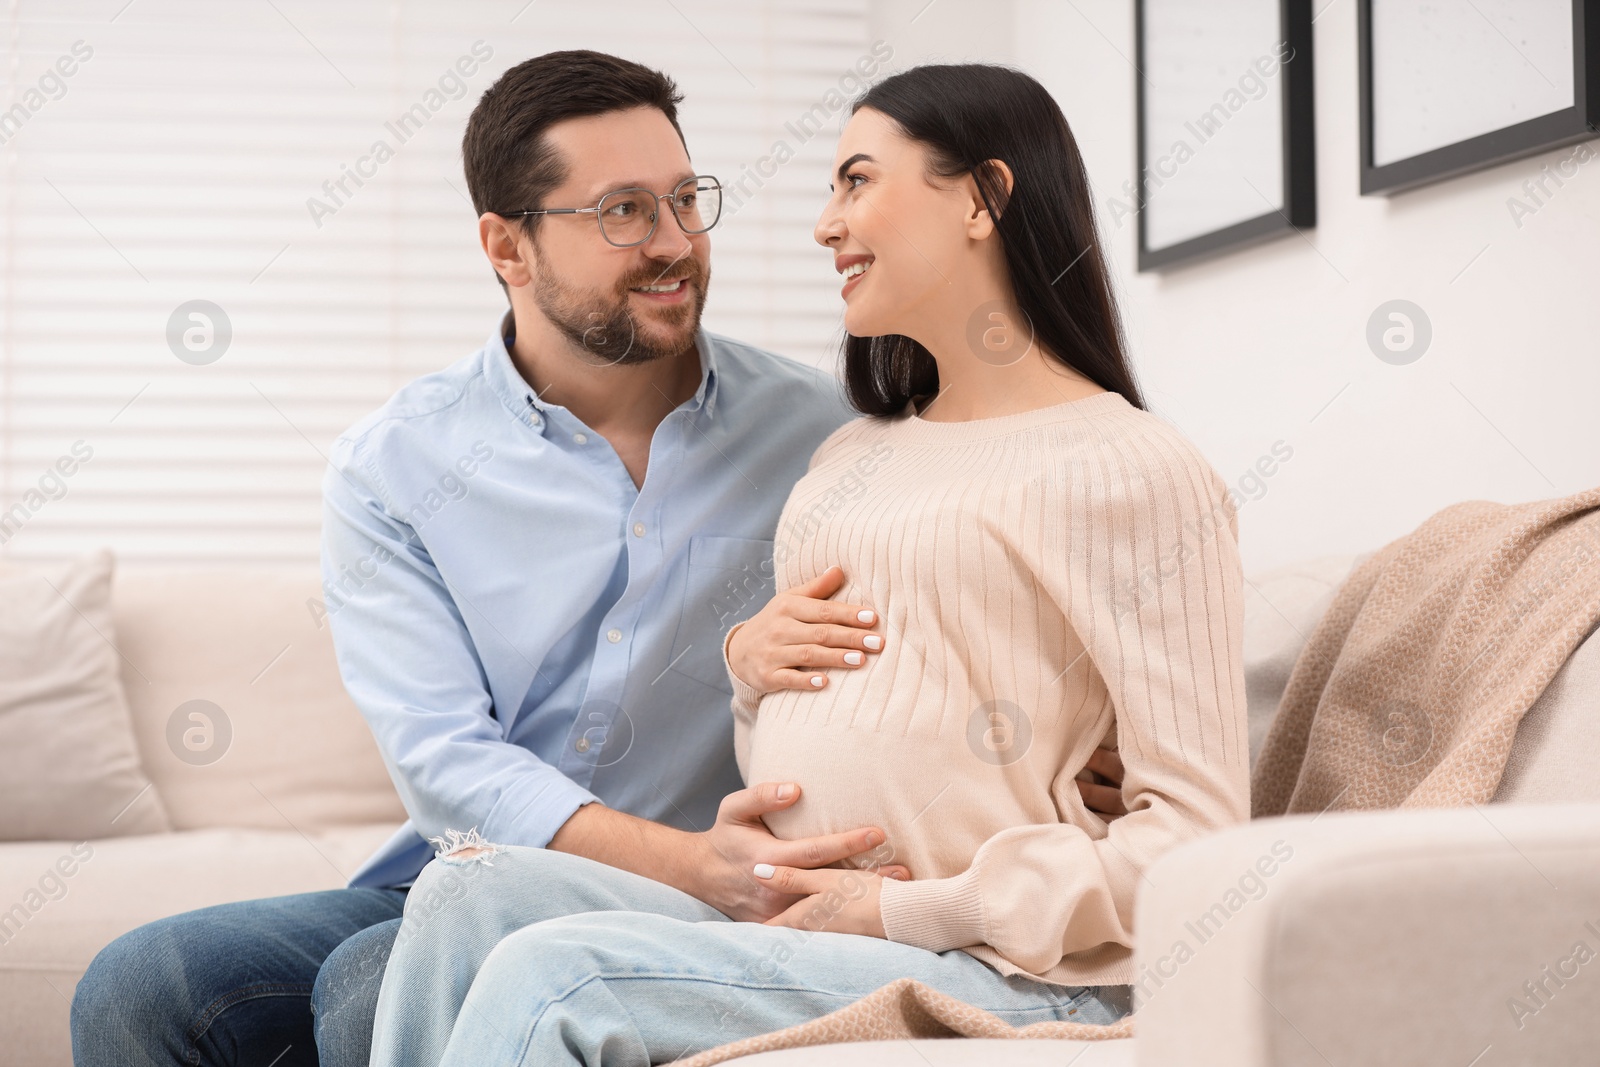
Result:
{"points": [[1048, 582]]}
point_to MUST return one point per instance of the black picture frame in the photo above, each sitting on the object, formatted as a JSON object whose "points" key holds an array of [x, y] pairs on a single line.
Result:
{"points": [[1299, 210], [1554, 130]]}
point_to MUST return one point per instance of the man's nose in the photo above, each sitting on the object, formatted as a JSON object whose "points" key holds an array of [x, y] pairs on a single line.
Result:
{"points": [[668, 241]]}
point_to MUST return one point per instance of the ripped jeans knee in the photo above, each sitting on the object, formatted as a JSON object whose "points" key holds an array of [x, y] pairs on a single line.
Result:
{"points": [[459, 849]]}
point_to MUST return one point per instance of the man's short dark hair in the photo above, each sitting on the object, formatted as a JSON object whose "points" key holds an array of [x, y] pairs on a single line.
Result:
{"points": [[509, 163]]}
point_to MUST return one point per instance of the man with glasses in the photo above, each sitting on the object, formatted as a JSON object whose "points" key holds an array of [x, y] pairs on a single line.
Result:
{"points": [[528, 559]]}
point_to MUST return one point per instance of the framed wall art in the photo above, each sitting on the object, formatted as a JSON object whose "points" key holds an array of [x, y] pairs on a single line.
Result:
{"points": [[1225, 130], [1447, 89]]}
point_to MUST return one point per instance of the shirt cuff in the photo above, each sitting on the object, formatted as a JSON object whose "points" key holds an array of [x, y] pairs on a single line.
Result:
{"points": [[937, 914], [545, 813], [745, 696]]}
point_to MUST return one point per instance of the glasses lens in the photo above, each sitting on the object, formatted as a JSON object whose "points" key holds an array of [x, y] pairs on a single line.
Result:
{"points": [[698, 204], [627, 215]]}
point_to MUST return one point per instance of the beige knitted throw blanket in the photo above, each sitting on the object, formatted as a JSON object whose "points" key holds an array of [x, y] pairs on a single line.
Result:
{"points": [[903, 1009], [1409, 691]]}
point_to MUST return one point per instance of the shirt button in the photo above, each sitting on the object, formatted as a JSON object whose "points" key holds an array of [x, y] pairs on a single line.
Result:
{"points": [[638, 529], [613, 636], [581, 438], [582, 745]]}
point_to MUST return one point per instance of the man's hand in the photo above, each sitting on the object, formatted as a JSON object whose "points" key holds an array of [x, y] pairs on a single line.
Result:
{"points": [[739, 841], [1104, 800], [799, 631], [841, 902], [715, 865]]}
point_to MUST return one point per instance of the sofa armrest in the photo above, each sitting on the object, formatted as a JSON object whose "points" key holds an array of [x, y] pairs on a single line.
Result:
{"points": [[1397, 937]]}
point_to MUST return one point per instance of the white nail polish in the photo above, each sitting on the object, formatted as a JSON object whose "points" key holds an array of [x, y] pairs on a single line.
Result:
{"points": [[853, 658], [872, 641], [864, 616], [765, 870], [816, 681]]}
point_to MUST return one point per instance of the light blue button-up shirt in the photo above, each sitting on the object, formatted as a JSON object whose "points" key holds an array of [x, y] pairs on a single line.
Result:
{"points": [[523, 629]]}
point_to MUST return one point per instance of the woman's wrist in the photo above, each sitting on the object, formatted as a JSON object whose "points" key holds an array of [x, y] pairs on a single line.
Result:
{"points": [[727, 655]]}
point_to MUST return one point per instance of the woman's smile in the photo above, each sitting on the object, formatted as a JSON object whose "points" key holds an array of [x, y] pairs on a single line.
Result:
{"points": [[854, 268]]}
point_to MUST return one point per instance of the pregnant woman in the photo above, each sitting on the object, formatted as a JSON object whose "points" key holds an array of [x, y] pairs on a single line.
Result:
{"points": [[1052, 569]]}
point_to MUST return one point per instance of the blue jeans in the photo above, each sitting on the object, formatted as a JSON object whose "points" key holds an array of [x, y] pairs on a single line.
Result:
{"points": [[529, 956], [248, 984]]}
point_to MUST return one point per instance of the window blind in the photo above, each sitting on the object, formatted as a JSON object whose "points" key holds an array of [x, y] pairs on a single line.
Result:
{"points": [[211, 268]]}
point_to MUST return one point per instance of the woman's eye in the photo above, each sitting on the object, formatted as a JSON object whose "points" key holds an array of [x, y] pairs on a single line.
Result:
{"points": [[853, 178]]}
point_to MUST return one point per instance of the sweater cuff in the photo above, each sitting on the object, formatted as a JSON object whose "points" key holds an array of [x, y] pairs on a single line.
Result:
{"points": [[745, 697], [938, 914]]}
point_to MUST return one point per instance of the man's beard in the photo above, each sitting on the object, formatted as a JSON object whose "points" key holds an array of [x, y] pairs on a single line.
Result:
{"points": [[604, 329]]}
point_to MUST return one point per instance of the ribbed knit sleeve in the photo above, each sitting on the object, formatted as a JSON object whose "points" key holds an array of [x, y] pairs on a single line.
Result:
{"points": [[1137, 548]]}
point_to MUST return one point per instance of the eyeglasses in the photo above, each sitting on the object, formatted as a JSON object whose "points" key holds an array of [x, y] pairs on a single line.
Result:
{"points": [[628, 216]]}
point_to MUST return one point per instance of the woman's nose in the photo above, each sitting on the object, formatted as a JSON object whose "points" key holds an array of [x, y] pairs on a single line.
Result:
{"points": [[830, 226]]}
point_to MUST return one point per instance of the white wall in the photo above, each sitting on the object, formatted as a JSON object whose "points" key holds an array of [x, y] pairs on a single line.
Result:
{"points": [[944, 31], [1253, 348]]}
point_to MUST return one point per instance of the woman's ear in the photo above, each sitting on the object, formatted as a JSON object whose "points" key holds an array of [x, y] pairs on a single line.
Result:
{"points": [[997, 180]]}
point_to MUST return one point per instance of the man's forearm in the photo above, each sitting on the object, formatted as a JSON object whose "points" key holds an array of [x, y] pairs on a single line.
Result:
{"points": [[617, 839]]}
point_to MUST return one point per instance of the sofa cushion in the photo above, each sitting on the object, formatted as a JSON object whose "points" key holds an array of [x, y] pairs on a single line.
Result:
{"points": [[65, 900], [1281, 608], [241, 716], [1548, 762], [1552, 755], [69, 766], [1375, 937]]}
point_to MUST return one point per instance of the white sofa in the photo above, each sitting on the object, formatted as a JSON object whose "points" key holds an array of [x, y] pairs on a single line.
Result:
{"points": [[1386, 938], [295, 804]]}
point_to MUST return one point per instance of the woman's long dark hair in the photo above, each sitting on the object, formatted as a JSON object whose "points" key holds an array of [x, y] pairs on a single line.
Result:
{"points": [[965, 114]]}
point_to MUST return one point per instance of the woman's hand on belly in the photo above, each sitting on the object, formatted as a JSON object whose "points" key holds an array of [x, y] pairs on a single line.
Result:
{"points": [[819, 907], [787, 643]]}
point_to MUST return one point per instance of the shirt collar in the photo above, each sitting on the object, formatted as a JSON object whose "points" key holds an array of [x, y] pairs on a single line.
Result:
{"points": [[502, 376]]}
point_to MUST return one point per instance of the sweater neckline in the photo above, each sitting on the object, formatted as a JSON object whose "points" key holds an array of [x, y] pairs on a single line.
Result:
{"points": [[915, 428]]}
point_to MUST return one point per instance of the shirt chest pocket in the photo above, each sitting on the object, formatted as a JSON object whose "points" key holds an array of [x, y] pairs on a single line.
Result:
{"points": [[728, 580]]}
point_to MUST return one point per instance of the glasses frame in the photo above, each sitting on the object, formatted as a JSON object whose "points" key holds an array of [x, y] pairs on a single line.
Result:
{"points": [[655, 218]]}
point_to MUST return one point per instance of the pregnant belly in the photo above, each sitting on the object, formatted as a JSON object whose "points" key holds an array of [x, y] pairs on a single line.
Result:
{"points": [[849, 778]]}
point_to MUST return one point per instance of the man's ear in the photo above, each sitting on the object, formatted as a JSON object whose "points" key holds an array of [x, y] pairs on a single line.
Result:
{"points": [[997, 181], [503, 245]]}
